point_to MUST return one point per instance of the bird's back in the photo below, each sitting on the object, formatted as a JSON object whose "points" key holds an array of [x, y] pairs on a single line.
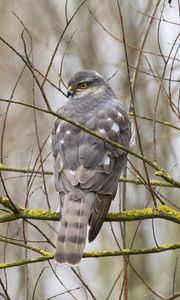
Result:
{"points": [[86, 168]]}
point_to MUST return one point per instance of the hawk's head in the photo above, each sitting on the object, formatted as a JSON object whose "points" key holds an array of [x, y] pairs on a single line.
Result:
{"points": [[85, 83]]}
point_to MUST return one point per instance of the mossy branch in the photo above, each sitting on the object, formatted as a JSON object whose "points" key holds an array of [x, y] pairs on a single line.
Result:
{"points": [[163, 212], [25, 213], [164, 123], [6, 168], [152, 182], [45, 255], [126, 251]]}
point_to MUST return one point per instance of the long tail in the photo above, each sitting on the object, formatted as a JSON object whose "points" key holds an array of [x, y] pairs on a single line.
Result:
{"points": [[76, 211]]}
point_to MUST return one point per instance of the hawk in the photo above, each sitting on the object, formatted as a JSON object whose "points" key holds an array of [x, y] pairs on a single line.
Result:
{"points": [[87, 169]]}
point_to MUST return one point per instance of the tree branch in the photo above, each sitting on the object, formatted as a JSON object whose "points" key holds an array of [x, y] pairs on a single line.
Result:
{"points": [[162, 212], [45, 255], [136, 181], [159, 171]]}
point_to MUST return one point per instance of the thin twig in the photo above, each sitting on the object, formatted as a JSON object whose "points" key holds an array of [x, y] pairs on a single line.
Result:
{"points": [[59, 41]]}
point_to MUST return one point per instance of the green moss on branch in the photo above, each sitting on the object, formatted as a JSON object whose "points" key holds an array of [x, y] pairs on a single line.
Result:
{"points": [[163, 212], [93, 254]]}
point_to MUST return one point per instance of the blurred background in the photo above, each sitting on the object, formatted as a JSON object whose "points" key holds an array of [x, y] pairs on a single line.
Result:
{"points": [[90, 38]]}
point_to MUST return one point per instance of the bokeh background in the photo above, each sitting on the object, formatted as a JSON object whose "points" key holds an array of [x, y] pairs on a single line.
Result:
{"points": [[92, 40]]}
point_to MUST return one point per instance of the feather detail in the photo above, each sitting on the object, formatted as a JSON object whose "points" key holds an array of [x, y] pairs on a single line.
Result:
{"points": [[76, 211], [100, 209]]}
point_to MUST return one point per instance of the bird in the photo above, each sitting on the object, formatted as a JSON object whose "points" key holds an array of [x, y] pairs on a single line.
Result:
{"points": [[86, 168]]}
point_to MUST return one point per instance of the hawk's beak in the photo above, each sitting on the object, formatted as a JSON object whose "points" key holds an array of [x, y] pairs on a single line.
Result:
{"points": [[70, 91]]}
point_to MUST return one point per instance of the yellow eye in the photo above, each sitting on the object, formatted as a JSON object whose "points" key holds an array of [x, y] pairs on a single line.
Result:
{"points": [[83, 85]]}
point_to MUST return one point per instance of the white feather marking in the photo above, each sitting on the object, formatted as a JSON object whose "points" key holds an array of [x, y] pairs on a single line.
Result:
{"points": [[98, 75], [49, 141], [68, 132], [115, 127], [132, 142], [98, 90], [58, 129], [59, 126], [71, 176], [73, 172], [119, 115], [106, 160], [108, 119], [62, 141], [101, 131], [59, 209]]}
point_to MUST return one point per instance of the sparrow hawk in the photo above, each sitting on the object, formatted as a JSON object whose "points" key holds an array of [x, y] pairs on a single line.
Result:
{"points": [[87, 169]]}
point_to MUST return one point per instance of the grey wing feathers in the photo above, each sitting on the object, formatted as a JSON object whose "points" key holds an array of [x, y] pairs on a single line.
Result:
{"points": [[100, 209], [114, 124]]}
